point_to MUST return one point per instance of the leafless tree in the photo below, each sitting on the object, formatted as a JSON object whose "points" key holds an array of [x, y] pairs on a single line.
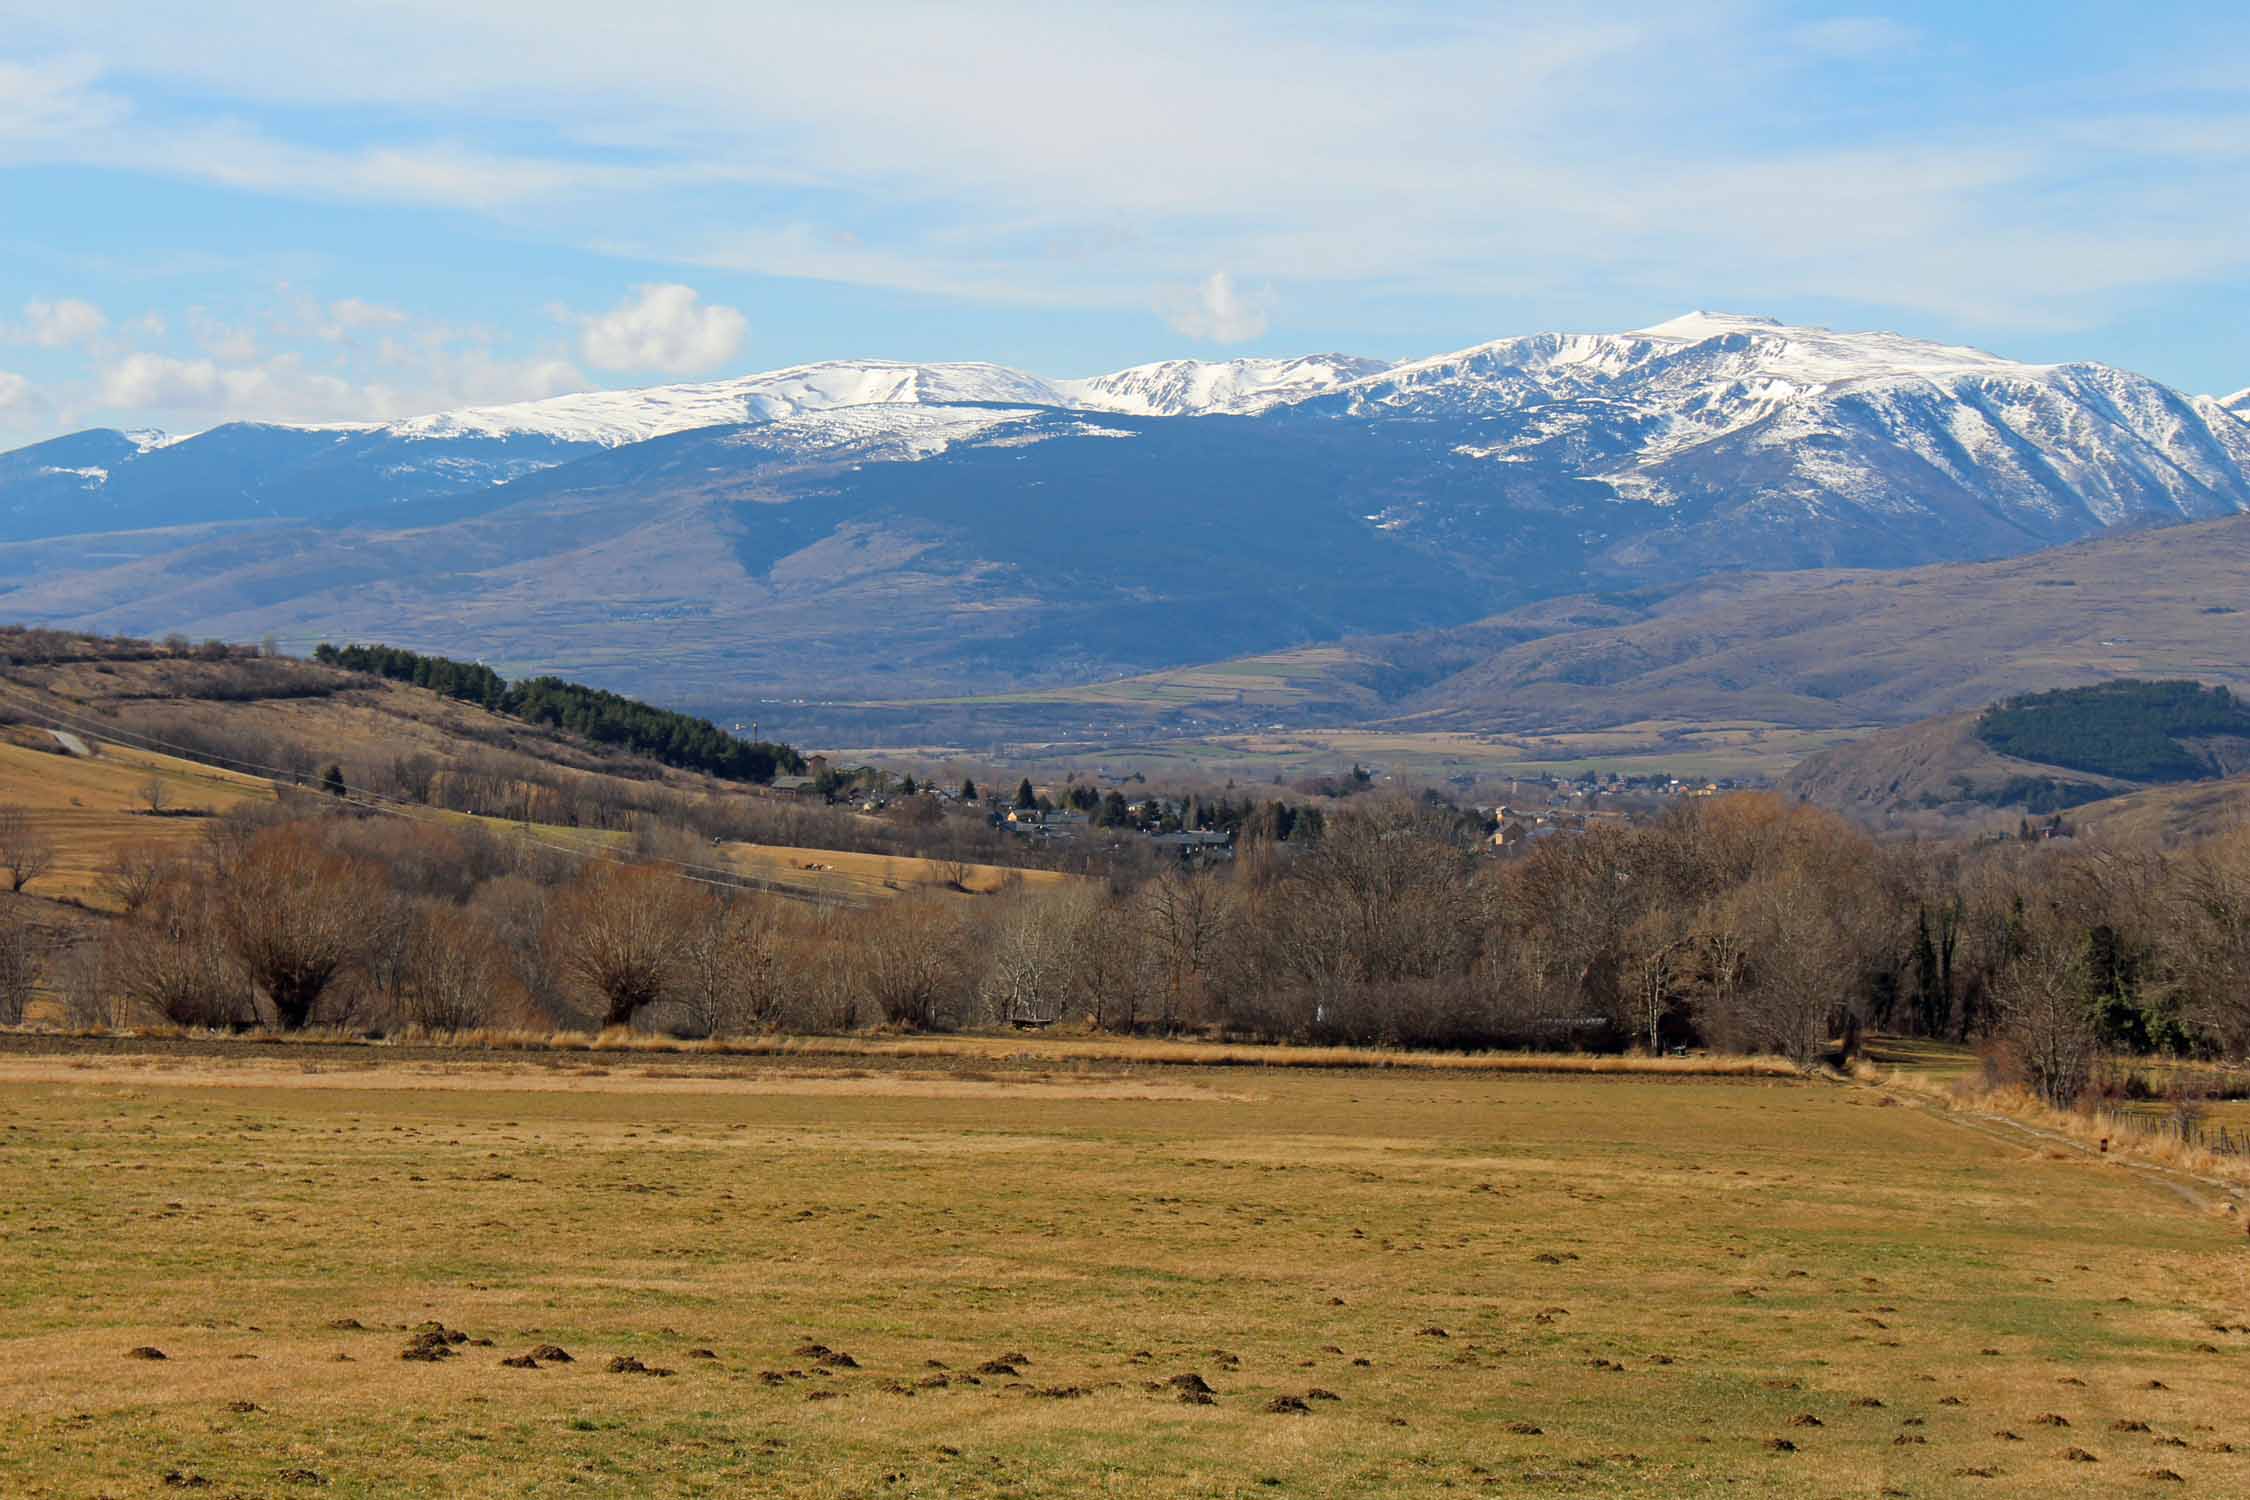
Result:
{"points": [[617, 932], [728, 980], [26, 851], [157, 793], [170, 959], [2047, 1017], [132, 875], [22, 960], [451, 972], [292, 915], [1025, 973], [1188, 920], [911, 960]]}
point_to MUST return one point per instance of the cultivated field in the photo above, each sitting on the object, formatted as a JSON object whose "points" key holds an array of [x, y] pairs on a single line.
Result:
{"points": [[1394, 1282]]}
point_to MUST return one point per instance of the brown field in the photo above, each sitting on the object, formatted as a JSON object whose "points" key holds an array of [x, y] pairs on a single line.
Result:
{"points": [[92, 809], [1508, 1283]]}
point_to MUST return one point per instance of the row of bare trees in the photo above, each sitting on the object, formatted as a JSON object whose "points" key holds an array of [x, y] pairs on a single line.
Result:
{"points": [[1745, 923]]}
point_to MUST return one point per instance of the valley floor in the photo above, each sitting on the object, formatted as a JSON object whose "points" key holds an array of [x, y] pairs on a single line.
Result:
{"points": [[1506, 1283]]}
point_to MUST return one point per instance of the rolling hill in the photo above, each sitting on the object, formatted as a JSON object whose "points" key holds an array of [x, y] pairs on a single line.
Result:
{"points": [[2040, 753], [1821, 649]]}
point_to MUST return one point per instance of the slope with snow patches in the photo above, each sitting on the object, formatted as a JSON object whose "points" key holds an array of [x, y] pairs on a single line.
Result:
{"points": [[1796, 428]]}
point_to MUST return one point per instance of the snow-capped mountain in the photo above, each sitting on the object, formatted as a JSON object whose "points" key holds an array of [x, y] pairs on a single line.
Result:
{"points": [[608, 419], [971, 523], [1192, 387]]}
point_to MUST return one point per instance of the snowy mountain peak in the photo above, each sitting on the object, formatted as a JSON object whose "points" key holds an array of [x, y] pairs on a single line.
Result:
{"points": [[613, 418], [2238, 403], [1191, 387], [1699, 325]]}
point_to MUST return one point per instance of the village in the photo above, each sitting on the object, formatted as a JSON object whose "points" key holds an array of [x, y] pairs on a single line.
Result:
{"points": [[1204, 826]]}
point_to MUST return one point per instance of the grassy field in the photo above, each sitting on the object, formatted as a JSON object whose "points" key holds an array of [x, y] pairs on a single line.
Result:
{"points": [[1675, 748], [1510, 1284], [90, 809]]}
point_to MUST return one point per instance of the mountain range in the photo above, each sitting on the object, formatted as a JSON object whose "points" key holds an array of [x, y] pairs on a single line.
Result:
{"points": [[862, 529]]}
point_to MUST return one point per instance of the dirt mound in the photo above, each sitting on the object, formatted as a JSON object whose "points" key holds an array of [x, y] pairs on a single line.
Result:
{"points": [[1287, 1405], [553, 1354], [1806, 1419], [345, 1325], [626, 1364], [1192, 1383], [244, 1408], [834, 1359], [1525, 1429], [998, 1367], [1317, 1394], [2079, 1456], [703, 1354], [1780, 1445], [2050, 1419], [519, 1362], [146, 1351]]}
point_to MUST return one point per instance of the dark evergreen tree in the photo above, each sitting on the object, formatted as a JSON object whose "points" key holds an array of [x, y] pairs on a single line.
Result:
{"points": [[332, 781], [1025, 797]]}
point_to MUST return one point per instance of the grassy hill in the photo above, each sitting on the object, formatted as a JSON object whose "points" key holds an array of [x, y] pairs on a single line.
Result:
{"points": [[2043, 753], [213, 729]]}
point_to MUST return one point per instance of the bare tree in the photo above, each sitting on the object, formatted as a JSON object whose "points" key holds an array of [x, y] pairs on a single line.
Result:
{"points": [[169, 958], [910, 962], [156, 793], [132, 875], [2048, 1018], [728, 982], [1188, 918], [292, 915], [22, 960], [617, 932], [451, 971], [26, 852], [1025, 977]]}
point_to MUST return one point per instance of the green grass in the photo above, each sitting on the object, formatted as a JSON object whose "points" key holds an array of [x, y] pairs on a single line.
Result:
{"points": [[1732, 1245]]}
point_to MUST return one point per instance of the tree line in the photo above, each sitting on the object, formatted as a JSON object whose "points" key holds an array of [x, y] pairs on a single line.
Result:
{"points": [[606, 718], [1744, 924]]}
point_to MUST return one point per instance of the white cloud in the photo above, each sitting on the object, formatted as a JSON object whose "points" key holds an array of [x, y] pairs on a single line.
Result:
{"points": [[15, 391], [1216, 310], [665, 328], [60, 324]]}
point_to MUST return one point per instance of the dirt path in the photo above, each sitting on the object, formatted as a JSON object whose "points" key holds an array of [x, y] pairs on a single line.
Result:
{"points": [[2228, 1197]]}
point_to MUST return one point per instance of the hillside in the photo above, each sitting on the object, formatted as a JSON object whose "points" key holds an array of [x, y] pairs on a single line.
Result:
{"points": [[172, 738], [865, 530], [1826, 650], [2039, 753]]}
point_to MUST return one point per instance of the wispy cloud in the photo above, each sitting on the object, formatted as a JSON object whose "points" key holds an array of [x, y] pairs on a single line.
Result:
{"points": [[60, 324], [1076, 158], [1216, 310]]}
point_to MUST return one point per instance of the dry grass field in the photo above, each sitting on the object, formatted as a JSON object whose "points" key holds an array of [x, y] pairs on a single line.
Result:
{"points": [[93, 808], [1393, 1282]]}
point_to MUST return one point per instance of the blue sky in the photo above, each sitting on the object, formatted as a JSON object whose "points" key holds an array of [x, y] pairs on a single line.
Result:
{"points": [[318, 212]]}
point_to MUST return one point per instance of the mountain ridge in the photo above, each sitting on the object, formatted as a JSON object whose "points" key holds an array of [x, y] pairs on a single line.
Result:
{"points": [[841, 529]]}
